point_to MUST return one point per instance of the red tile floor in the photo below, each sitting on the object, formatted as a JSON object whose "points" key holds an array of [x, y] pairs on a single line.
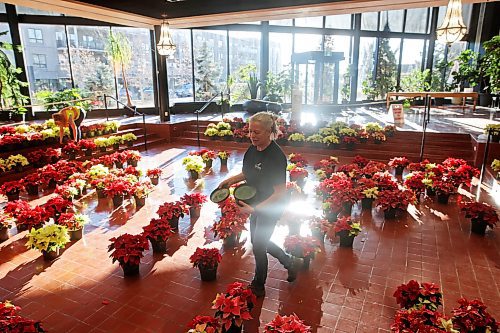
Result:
{"points": [[344, 290]]}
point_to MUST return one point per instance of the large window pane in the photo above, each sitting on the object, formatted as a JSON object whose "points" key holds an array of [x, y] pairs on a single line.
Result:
{"points": [[311, 22], [244, 50], [307, 72], [308, 42], [412, 56], [392, 20], [139, 70], [179, 69], [92, 68], [336, 44], [47, 64], [210, 59], [280, 51], [369, 21], [367, 47], [4, 27], [286, 22], [338, 21], [2, 8], [32, 11], [416, 20]]}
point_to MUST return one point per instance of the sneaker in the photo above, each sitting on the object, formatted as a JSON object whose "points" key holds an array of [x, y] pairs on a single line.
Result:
{"points": [[258, 291], [292, 271]]}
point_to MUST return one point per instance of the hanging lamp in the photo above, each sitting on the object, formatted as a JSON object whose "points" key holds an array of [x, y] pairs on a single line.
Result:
{"points": [[453, 28], [165, 46]]}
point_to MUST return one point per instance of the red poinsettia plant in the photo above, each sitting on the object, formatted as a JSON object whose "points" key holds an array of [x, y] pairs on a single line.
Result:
{"points": [[399, 199], [350, 140], [420, 320], [12, 322], [291, 323], [297, 159], [33, 179], [87, 144], [399, 162], [204, 324], [452, 163], [319, 223], [171, 210], [443, 186], [41, 157], [328, 165], [154, 173], [300, 246], [206, 258], [119, 186], [343, 192], [414, 181], [32, 217], [360, 161], [385, 181], [14, 208], [298, 173], [194, 199], [471, 316], [72, 221], [71, 148], [128, 249], [345, 224], [415, 295], [351, 170], [463, 174], [158, 230], [480, 211], [230, 223], [240, 133], [66, 191], [12, 187], [234, 306], [132, 155], [57, 205]]}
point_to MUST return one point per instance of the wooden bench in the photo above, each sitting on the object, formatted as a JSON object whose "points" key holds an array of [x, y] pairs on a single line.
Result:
{"points": [[439, 94]]}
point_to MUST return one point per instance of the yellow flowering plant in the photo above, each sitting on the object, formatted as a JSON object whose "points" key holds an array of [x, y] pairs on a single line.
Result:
{"points": [[48, 238], [16, 160], [371, 193]]}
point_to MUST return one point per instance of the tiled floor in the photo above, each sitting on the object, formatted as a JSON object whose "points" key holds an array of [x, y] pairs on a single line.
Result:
{"points": [[344, 290]]}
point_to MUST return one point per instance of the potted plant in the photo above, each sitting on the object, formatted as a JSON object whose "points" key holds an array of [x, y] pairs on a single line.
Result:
{"points": [[390, 201], [194, 165], [12, 322], [471, 316], [56, 206], [223, 156], [331, 141], [481, 214], [194, 201], [229, 227], [467, 73], [16, 162], [389, 130], [414, 181], [399, 164], [208, 156], [102, 144], [154, 175], [344, 195], [128, 250], [417, 296], [240, 134], [71, 149], [5, 224], [297, 139], [350, 142], [297, 174], [117, 189], [378, 137], [12, 189], [302, 247], [141, 190], [49, 239], [346, 230], [114, 141], [420, 320], [158, 231], [490, 67], [212, 133], [369, 192], [112, 126], [119, 159], [232, 307], [75, 224], [443, 190], [207, 261], [87, 146], [27, 217], [495, 131], [495, 165], [128, 139], [315, 140], [172, 211], [291, 323], [319, 227], [204, 324], [31, 183]]}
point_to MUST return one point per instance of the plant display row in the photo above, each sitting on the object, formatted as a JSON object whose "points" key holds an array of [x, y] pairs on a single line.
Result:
{"points": [[420, 303], [11, 321]]}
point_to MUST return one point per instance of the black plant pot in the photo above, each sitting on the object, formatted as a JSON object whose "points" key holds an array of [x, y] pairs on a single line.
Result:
{"points": [[347, 208], [174, 223], [88, 152], [75, 235], [155, 180], [390, 213], [102, 149], [331, 216], [345, 239], [32, 189], [442, 198], [478, 227], [139, 202], [367, 203], [399, 170], [438, 101], [484, 99], [233, 329], [117, 200], [208, 273], [230, 241], [130, 270], [132, 163], [100, 194], [158, 246], [13, 196], [430, 192], [50, 255]]}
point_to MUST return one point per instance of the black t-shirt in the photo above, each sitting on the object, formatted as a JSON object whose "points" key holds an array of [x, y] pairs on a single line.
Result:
{"points": [[264, 170]]}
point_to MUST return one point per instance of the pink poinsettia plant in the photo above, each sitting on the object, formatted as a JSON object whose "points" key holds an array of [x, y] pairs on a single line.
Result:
{"points": [[416, 295], [206, 258], [297, 159]]}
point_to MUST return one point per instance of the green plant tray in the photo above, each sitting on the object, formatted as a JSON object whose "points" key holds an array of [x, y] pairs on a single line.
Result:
{"points": [[219, 195], [244, 192]]}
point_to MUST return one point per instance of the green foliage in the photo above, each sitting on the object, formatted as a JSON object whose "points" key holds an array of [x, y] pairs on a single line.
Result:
{"points": [[206, 73], [239, 82], [467, 71], [345, 92], [120, 53], [490, 63], [368, 89], [277, 86], [10, 85], [417, 81], [253, 85], [62, 98], [385, 76], [439, 75]]}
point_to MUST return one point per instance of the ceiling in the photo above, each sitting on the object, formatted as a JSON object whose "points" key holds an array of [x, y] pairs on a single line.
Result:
{"points": [[195, 13]]}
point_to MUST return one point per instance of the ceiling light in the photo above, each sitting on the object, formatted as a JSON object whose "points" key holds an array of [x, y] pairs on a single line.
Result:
{"points": [[453, 28]]}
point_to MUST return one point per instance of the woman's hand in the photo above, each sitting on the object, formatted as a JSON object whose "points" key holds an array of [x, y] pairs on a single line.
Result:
{"points": [[225, 183], [245, 208]]}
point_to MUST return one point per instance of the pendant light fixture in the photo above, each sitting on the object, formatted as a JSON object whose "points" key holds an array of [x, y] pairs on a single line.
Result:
{"points": [[453, 28], [165, 46]]}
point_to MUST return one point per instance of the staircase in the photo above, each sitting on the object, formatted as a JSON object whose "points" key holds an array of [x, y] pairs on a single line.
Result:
{"points": [[438, 147]]}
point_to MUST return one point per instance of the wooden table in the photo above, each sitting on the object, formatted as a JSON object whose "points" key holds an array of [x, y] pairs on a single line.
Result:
{"points": [[439, 94]]}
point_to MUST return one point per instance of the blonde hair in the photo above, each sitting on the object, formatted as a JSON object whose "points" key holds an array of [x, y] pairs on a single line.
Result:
{"points": [[268, 120]]}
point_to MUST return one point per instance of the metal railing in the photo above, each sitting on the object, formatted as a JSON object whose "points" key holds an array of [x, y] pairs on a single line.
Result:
{"points": [[200, 110], [135, 113], [485, 160], [425, 122]]}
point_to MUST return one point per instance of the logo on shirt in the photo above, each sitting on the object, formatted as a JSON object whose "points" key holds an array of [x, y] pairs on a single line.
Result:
{"points": [[258, 166]]}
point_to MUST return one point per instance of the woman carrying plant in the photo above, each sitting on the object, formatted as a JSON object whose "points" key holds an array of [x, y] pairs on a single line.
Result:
{"points": [[72, 117], [264, 167]]}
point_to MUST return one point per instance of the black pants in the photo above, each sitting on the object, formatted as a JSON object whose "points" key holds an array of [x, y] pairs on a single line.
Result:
{"points": [[78, 121], [261, 229]]}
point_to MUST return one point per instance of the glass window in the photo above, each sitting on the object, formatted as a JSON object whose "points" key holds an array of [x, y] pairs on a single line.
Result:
{"points": [[32, 11], [179, 69], [92, 66], [2, 8], [369, 21], [286, 22], [244, 50], [35, 36], [138, 71], [47, 64], [392, 20], [210, 62], [338, 21], [39, 60], [367, 47], [411, 60], [280, 51], [254, 22], [4, 27], [310, 22], [337, 44], [416, 20], [308, 42]]}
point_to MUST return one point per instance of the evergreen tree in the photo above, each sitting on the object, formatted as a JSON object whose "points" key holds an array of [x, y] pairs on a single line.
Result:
{"points": [[206, 73], [385, 76]]}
